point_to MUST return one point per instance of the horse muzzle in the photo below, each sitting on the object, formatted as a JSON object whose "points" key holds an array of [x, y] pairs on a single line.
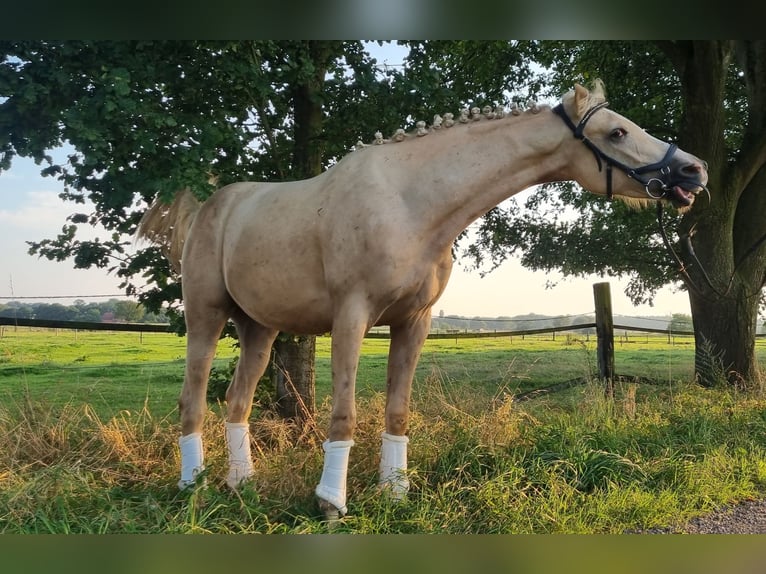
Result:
{"points": [[685, 183]]}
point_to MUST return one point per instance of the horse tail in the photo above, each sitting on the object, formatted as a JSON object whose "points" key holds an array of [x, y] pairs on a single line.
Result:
{"points": [[167, 225]]}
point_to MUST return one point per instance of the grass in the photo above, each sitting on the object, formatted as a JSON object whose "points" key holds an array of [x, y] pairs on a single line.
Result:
{"points": [[120, 371], [97, 453], [111, 371]]}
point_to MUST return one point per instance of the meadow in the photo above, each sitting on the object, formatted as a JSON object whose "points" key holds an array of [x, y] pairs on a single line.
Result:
{"points": [[116, 371], [88, 428]]}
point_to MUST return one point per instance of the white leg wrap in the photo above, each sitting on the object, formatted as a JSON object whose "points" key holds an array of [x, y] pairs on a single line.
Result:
{"points": [[191, 459], [332, 485], [393, 465], [240, 460]]}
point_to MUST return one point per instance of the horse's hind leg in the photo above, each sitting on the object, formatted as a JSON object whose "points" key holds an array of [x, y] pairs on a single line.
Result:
{"points": [[255, 344], [406, 343]]}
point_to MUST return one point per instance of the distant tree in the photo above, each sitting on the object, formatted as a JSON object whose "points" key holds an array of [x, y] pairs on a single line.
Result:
{"points": [[152, 317], [128, 311], [17, 310], [680, 322], [108, 306], [54, 312], [90, 313]]}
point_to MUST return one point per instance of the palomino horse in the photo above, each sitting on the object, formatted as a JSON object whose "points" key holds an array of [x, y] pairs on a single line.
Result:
{"points": [[369, 242]]}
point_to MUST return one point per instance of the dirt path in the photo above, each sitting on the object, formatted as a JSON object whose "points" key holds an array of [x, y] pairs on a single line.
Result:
{"points": [[744, 518]]}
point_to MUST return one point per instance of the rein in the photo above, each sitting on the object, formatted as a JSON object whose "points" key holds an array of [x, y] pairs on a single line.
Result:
{"points": [[681, 267], [636, 173], [687, 243]]}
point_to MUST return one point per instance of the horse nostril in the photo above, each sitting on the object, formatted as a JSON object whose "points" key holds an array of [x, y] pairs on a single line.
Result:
{"points": [[694, 168]]}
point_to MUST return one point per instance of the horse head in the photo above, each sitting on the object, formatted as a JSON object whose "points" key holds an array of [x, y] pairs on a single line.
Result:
{"points": [[647, 168]]}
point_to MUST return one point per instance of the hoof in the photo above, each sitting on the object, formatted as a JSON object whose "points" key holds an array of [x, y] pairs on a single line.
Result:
{"points": [[396, 491], [190, 485], [331, 513], [237, 477]]}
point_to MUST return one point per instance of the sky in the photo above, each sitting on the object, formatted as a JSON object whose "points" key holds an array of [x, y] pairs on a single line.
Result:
{"points": [[30, 210]]}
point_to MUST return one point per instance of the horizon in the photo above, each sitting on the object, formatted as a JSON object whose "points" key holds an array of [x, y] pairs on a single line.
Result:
{"points": [[100, 299]]}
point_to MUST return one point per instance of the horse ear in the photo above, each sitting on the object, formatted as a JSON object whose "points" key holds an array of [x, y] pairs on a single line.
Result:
{"points": [[582, 96]]}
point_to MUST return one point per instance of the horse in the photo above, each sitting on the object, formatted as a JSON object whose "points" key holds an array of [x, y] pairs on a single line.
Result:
{"points": [[369, 242]]}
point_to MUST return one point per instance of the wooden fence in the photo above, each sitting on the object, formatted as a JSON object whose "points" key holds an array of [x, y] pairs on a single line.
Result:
{"points": [[165, 328], [86, 325]]}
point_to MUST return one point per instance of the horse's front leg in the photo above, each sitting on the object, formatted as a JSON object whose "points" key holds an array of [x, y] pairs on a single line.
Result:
{"points": [[407, 340], [349, 328]]}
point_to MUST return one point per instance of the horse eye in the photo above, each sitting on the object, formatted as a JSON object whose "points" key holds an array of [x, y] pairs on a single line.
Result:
{"points": [[618, 133]]}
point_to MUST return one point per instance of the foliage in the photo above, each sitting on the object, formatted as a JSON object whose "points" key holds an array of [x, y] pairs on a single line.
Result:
{"points": [[221, 377], [144, 119], [148, 118]]}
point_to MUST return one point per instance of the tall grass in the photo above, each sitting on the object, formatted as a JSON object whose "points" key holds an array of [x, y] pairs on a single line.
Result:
{"points": [[571, 462]]}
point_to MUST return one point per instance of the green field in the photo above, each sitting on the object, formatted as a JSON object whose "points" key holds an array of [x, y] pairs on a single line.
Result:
{"points": [[88, 428], [115, 371]]}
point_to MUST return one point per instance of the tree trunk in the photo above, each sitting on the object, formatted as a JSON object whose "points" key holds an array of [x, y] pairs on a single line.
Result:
{"points": [[731, 248], [725, 308], [726, 235], [724, 337], [293, 376]]}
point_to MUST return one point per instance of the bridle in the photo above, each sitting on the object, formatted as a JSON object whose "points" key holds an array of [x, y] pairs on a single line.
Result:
{"points": [[663, 179], [663, 183]]}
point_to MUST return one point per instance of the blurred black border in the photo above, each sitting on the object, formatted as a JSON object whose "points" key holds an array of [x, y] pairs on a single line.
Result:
{"points": [[335, 554]]}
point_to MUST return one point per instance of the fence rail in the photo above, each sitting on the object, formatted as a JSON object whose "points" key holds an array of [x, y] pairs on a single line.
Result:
{"points": [[165, 328], [86, 325]]}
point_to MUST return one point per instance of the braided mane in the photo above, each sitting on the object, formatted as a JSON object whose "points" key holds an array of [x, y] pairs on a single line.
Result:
{"points": [[448, 120]]}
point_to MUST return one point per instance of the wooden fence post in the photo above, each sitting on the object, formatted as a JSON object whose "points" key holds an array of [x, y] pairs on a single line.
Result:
{"points": [[605, 334]]}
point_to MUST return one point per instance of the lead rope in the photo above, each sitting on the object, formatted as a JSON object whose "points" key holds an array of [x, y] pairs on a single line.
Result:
{"points": [[669, 247], [687, 243]]}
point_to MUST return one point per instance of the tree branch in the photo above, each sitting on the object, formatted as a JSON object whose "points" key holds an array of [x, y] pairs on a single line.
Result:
{"points": [[676, 51], [751, 55], [750, 162], [260, 107]]}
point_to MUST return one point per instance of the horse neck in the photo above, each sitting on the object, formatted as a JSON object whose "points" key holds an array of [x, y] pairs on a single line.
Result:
{"points": [[471, 169]]}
